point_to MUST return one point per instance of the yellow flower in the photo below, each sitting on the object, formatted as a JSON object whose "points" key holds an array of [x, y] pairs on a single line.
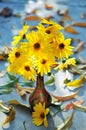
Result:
{"points": [[21, 35], [44, 64], [52, 23], [17, 54], [67, 63], [37, 44], [27, 71], [61, 47], [48, 29], [39, 115]]}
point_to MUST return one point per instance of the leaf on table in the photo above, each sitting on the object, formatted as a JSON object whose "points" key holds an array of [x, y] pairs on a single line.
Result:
{"points": [[66, 97], [10, 117], [75, 70], [50, 81], [81, 66], [82, 60], [32, 18], [83, 15], [79, 107], [4, 53], [4, 108], [70, 106], [17, 15], [15, 102], [49, 17], [71, 30], [77, 82], [9, 84], [6, 12], [80, 24], [55, 102], [48, 7], [66, 124], [2, 73], [5, 90], [2, 57], [66, 18], [79, 47], [33, 28], [22, 90], [34, 11]]}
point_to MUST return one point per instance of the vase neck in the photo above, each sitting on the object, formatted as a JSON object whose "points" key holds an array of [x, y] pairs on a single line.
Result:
{"points": [[40, 81]]}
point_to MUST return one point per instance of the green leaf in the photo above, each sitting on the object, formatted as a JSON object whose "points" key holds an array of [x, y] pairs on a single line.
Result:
{"points": [[9, 84], [30, 83], [50, 81], [11, 77], [5, 91], [24, 125], [67, 123]]}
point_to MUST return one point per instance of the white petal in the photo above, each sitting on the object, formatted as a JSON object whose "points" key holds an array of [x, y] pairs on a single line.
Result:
{"points": [[61, 90]]}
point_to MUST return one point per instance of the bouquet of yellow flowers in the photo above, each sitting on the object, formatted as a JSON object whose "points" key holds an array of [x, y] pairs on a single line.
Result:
{"points": [[34, 53]]}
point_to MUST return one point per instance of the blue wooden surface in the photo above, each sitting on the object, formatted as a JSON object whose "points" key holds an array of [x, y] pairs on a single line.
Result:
{"points": [[76, 8]]}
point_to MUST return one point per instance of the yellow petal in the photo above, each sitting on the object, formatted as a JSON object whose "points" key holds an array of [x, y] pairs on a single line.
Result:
{"points": [[45, 122]]}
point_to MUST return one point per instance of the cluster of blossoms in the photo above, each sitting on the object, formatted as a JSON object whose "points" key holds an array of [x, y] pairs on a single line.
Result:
{"points": [[36, 51]]}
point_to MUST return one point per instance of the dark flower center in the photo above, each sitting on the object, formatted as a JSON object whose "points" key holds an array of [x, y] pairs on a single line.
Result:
{"points": [[48, 31], [42, 115], [43, 61], [27, 68], [61, 46], [36, 46], [17, 54], [24, 36]]}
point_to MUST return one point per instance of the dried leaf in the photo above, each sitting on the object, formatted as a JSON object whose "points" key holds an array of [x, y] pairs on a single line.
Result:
{"points": [[55, 102], [48, 7], [74, 70], [80, 24], [83, 15], [67, 97], [33, 28], [2, 57], [2, 73], [34, 11], [15, 102], [77, 82], [22, 90], [67, 123], [4, 53], [4, 108], [10, 117], [71, 30], [79, 107], [6, 12], [49, 17], [32, 18], [81, 66], [70, 106], [82, 60], [66, 18], [62, 11], [79, 47]]}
